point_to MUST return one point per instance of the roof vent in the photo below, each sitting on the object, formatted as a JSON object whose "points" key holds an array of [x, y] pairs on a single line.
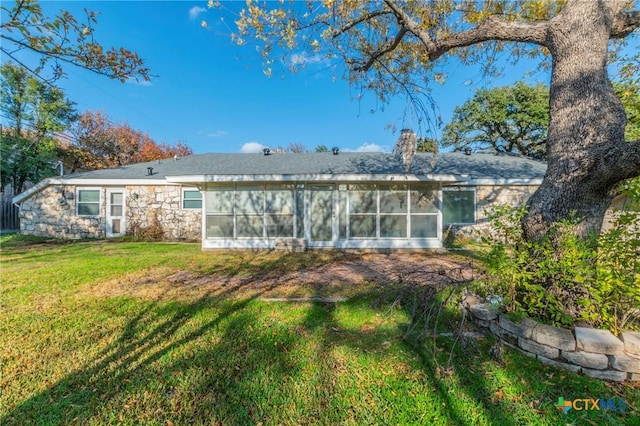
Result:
{"points": [[335, 150], [467, 151], [175, 157], [266, 151], [149, 171]]}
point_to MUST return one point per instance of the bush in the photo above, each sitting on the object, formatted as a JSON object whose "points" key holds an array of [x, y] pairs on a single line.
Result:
{"points": [[563, 278]]}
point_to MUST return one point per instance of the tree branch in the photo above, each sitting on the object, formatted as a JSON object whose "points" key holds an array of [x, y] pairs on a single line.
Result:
{"points": [[390, 48], [411, 25], [493, 28], [625, 23], [360, 20]]}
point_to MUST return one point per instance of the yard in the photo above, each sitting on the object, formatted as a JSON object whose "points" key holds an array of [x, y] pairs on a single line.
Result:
{"points": [[126, 333]]}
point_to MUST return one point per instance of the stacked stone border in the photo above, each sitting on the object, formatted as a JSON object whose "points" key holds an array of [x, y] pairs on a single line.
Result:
{"points": [[593, 352]]}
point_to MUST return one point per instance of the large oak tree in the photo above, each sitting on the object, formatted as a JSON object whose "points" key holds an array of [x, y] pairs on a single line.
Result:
{"points": [[392, 46]]}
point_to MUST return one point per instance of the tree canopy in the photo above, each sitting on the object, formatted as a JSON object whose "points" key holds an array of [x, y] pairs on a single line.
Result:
{"points": [[393, 47], [63, 39], [36, 112], [510, 119]]}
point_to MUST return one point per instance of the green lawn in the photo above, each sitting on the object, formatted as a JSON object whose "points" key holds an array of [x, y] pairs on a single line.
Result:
{"points": [[89, 334]]}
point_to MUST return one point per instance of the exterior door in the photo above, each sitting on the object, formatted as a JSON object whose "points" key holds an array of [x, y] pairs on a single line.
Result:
{"points": [[115, 213], [321, 213]]}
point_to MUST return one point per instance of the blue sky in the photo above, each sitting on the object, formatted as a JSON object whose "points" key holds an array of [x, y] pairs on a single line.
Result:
{"points": [[213, 95]]}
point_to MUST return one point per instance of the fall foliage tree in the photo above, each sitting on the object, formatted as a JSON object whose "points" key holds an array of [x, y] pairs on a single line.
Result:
{"points": [[393, 47], [100, 144]]}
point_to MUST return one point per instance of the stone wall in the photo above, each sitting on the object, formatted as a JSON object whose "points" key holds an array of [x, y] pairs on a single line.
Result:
{"points": [[593, 352], [51, 212], [147, 203]]}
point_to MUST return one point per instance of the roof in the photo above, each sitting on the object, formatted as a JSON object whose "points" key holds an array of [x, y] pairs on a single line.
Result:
{"points": [[447, 167]]}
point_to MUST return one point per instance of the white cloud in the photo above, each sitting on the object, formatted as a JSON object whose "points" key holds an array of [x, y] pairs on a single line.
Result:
{"points": [[367, 147], [217, 134], [302, 59], [195, 11], [252, 148]]}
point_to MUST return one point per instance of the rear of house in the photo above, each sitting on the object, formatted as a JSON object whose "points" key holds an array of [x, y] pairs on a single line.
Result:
{"points": [[260, 201]]}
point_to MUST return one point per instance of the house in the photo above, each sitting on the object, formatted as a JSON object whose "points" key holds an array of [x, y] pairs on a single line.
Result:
{"points": [[261, 201]]}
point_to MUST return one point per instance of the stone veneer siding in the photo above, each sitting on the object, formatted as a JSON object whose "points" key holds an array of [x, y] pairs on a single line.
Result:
{"points": [[51, 212], [165, 202], [593, 352]]}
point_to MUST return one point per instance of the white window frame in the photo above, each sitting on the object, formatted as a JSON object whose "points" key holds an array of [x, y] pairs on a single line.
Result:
{"points": [[183, 199], [100, 198]]}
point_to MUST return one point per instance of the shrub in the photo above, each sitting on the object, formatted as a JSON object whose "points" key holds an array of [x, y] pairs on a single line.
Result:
{"points": [[564, 278]]}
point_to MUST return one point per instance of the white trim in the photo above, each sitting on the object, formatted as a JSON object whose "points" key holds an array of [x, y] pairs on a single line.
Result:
{"points": [[86, 182], [500, 182], [426, 243], [316, 178]]}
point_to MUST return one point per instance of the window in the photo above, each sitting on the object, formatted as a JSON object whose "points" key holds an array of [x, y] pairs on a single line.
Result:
{"points": [[363, 209], [252, 211], [219, 212], [279, 209], [191, 199], [458, 206], [424, 211], [88, 202], [393, 211]]}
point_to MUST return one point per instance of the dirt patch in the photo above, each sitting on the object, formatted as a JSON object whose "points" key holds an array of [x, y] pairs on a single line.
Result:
{"points": [[339, 278]]}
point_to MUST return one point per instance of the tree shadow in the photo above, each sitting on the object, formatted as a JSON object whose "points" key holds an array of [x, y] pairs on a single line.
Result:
{"points": [[228, 359]]}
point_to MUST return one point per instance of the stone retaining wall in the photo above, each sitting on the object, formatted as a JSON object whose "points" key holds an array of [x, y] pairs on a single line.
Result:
{"points": [[593, 352]]}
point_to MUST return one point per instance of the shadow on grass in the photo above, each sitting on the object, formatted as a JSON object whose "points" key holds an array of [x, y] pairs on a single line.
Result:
{"points": [[226, 359]]}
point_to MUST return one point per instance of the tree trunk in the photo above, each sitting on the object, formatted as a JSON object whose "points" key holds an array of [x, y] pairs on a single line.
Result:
{"points": [[587, 156]]}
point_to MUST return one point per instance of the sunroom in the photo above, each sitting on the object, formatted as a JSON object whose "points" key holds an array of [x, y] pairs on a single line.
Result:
{"points": [[324, 214]]}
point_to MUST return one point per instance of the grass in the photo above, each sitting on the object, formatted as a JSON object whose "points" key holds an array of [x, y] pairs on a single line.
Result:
{"points": [[82, 343]]}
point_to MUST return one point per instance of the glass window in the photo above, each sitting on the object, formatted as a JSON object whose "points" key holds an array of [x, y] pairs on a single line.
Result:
{"points": [[115, 202], [219, 200], [191, 199], [89, 202], [393, 226], [362, 226], [249, 200], [249, 226], [424, 199], [362, 199], [279, 199], [393, 199], [342, 217], [219, 226], [459, 206], [279, 226], [424, 226], [300, 212]]}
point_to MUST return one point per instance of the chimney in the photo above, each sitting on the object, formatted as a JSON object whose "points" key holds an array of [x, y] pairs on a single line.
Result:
{"points": [[335, 150], [149, 171]]}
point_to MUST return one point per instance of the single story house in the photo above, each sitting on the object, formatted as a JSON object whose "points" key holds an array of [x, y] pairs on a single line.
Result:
{"points": [[262, 201]]}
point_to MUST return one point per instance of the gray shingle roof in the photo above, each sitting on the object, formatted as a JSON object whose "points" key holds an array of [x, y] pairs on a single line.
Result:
{"points": [[478, 166]]}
